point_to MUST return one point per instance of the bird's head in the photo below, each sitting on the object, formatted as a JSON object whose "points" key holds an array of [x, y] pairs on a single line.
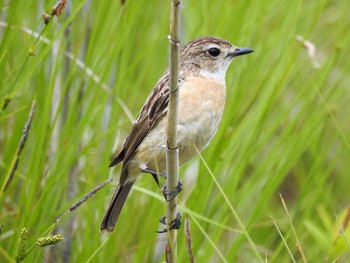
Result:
{"points": [[210, 56]]}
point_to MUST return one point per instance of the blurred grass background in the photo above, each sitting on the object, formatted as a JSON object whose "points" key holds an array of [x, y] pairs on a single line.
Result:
{"points": [[285, 130]]}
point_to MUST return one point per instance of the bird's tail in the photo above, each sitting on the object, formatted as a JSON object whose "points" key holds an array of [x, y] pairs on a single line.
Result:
{"points": [[115, 207]]}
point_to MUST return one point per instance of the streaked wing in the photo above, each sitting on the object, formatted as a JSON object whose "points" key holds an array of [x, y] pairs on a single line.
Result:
{"points": [[151, 113]]}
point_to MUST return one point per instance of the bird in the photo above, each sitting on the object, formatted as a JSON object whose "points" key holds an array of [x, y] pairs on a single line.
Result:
{"points": [[203, 63]]}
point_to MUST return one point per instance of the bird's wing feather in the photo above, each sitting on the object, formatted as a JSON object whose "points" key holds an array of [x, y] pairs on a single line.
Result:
{"points": [[152, 112]]}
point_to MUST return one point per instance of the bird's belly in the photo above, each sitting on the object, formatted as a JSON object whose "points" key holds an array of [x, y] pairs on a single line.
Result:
{"points": [[194, 135], [191, 137], [199, 115]]}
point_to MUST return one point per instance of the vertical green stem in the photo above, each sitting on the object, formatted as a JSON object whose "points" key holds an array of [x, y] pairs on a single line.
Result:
{"points": [[172, 148]]}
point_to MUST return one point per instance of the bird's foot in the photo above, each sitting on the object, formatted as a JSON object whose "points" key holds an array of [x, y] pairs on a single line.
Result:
{"points": [[171, 195], [175, 224]]}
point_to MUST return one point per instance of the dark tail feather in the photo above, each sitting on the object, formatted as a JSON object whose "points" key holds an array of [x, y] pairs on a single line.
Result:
{"points": [[115, 207]]}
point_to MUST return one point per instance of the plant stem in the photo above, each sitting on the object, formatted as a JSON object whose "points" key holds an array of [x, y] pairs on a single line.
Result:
{"points": [[172, 156]]}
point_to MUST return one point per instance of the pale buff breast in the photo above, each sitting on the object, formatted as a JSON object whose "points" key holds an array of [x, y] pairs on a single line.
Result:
{"points": [[201, 104]]}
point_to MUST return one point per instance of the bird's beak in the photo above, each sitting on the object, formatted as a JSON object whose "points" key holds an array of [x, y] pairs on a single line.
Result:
{"points": [[239, 51]]}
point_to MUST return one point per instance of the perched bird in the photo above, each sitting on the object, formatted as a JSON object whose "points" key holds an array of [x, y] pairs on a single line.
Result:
{"points": [[202, 93]]}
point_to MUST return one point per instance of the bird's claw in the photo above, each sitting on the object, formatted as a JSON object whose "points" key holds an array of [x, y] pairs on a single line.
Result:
{"points": [[175, 224], [173, 194]]}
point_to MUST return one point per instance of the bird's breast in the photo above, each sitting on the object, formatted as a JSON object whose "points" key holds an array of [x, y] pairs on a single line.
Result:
{"points": [[201, 105]]}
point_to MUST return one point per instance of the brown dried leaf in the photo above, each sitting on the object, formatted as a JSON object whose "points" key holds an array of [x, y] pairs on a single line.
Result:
{"points": [[58, 8]]}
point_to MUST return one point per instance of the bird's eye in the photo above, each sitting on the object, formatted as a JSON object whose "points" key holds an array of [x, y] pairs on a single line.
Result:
{"points": [[214, 52]]}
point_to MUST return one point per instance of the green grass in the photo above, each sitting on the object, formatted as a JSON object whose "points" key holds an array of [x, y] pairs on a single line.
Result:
{"points": [[285, 130]]}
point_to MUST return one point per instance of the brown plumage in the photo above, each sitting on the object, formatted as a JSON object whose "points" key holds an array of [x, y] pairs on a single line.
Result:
{"points": [[202, 92]]}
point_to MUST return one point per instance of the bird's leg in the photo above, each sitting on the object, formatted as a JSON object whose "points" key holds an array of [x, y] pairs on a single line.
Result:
{"points": [[171, 195], [166, 194], [154, 174], [168, 197], [175, 224]]}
